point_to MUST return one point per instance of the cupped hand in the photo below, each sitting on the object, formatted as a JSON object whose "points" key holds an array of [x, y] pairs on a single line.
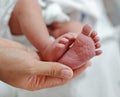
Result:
{"points": [[22, 68]]}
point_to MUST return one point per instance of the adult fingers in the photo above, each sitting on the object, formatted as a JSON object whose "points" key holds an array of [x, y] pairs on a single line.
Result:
{"points": [[52, 69], [81, 69]]}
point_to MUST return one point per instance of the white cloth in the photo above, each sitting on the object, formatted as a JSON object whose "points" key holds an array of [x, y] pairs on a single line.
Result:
{"points": [[53, 13], [65, 10], [6, 7]]}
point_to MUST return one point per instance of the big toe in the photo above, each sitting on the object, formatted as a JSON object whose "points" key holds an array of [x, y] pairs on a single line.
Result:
{"points": [[86, 29]]}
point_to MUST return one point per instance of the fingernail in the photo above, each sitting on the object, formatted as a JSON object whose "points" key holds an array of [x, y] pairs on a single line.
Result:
{"points": [[65, 73]]}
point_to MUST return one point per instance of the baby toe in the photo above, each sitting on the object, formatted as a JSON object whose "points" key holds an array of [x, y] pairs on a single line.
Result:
{"points": [[63, 41], [98, 45], [93, 34], [86, 30], [98, 52], [96, 39]]}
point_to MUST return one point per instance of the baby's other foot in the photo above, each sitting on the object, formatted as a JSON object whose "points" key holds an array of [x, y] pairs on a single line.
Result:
{"points": [[84, 48], [56, 50]]}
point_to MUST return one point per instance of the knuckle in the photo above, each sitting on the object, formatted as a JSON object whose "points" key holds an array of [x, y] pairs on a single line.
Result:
{"points": [[54, 69]]}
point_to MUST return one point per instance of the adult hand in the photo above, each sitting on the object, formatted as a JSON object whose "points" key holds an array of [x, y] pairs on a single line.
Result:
{"points": [[22, 68]]}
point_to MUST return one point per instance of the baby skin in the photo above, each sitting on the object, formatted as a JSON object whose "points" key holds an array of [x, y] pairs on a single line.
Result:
{"points": [[74, 49], [28, 21]]}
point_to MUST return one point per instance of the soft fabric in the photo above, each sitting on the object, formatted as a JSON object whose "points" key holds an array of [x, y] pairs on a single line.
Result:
{"points": [[6, 7]]}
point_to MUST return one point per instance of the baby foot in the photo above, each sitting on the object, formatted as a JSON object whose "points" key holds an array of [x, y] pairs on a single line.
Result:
{"points": [[54, 51], [84, 48]]}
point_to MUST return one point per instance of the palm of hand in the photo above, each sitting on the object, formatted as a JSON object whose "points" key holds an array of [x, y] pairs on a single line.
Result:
{"points": [[20, 69]]}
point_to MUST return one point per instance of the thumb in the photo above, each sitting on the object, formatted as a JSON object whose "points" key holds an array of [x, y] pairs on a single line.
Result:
{"points": [[53, 69]]}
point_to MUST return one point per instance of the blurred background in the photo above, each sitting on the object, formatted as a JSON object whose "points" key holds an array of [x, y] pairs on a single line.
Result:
{"points": [[102, 79]]}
